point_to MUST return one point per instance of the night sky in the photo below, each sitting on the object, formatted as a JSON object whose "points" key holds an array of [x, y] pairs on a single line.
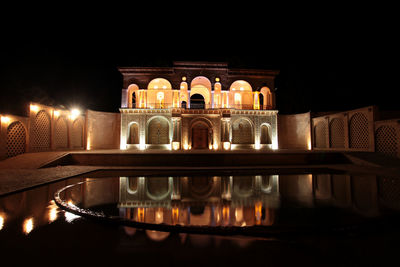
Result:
{"points": [[324, 66]]}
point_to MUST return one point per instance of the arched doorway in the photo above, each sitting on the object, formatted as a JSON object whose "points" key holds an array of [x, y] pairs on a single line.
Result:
{"points": [[133, 134], [158, 131], [200, 136], [197, 101], [261, 98]]}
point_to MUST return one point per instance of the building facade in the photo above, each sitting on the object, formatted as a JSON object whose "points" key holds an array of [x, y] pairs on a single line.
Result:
{"points": [[198, 105]]}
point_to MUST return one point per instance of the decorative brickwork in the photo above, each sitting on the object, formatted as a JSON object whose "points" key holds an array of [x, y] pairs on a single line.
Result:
{"points": [[320, 132], [61, 133], [242, 132], [41, 132], [16, 139], [358, 131], [77, 134], [336, 133], [158, 131], [386, 140]]}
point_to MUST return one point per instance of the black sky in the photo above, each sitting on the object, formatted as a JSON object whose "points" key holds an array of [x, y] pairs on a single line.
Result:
{"points": [[325, 65]]}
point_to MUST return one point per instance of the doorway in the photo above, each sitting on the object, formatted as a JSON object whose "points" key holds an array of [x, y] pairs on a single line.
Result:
{"points": [[197, 101], [200, 136]]}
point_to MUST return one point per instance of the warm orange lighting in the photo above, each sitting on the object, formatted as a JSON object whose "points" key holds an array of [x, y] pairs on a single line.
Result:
{"points": [[226, 214], [175, 215], [227, 145], [74, 113], [5, 119], [217, 79], [175, 145], [210, 146], [159, 218], [2, 219], [34, 108], [28, 226], [256, 102], [215, 146], [258, 212], [140, 214], [185, 146], [183, 78], [56, 113], [53, 211]]}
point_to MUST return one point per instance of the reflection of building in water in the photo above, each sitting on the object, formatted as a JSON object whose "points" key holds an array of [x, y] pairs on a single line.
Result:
{"points": [[200, 200]]}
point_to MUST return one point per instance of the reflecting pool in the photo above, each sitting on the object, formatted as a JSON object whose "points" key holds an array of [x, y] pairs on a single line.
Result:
{"points": [[307, 219]]}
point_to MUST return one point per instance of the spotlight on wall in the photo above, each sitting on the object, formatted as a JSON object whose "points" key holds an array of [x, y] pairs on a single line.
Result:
{"points": [[227, 145], [74, 113], [34, 108]]}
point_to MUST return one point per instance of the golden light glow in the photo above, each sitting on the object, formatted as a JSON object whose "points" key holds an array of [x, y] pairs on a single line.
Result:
{"points": [[74, 113], [185, 146], [70, 217], [210, 146], [215, 146], [257, 146], [227, 145], [28, 226], [175, 145], [238, 99], [88, 143], [225, 214], [239, 214], [53, 211], [217, 79], [183, 78], [258, 212], [309, 147], [175, 214], [140, 214], [56, 113], [256, 104], [142, 146], [5, 119], [34, 108], [2, 219], [159, 215]]}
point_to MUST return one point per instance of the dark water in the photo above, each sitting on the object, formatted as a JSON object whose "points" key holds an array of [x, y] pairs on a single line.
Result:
{"points": [[278, 220]]}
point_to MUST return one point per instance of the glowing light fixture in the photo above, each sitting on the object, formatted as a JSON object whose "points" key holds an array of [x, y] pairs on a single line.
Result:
{"points": [[175, 145], [227, 145], [28, 226], [34, 108], [2, 219], [56, 113], [5, 119], [74, 113]]}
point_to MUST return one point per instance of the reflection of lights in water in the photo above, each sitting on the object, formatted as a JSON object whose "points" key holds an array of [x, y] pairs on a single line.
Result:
{"points": [[239, 214], [225, 214], [159, 216], [258, 212], [140, 214], [53, 211], [70, 217], [28, 225], [175, 214], [2, 221], [157, 235]]}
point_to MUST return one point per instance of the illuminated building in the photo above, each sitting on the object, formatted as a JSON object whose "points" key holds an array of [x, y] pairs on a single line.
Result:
{"points": [[198, 105]]}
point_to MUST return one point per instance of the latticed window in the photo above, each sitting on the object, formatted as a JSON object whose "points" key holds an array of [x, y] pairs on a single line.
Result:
{"points": [[158, 132], [389, 191], [61, 133], [386, 140], [77, 134], [16, 139], [320, 132], [358, 131], [242, 132], [336, 133], [41, 132]]}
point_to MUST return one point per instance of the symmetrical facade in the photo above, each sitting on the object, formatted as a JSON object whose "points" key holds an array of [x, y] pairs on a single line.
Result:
{"points": [[198, 105]]}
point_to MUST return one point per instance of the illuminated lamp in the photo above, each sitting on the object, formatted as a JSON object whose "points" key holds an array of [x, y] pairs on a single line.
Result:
{"points": [[74, 113], [217, 79], [184, 78], [5, 119], [28, 226], [34, 108], [175, 145], [227, 145], [215, 146]]}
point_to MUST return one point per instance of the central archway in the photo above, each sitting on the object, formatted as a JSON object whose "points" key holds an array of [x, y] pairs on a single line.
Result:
{"points": [[197, 101], [201, 133]]}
